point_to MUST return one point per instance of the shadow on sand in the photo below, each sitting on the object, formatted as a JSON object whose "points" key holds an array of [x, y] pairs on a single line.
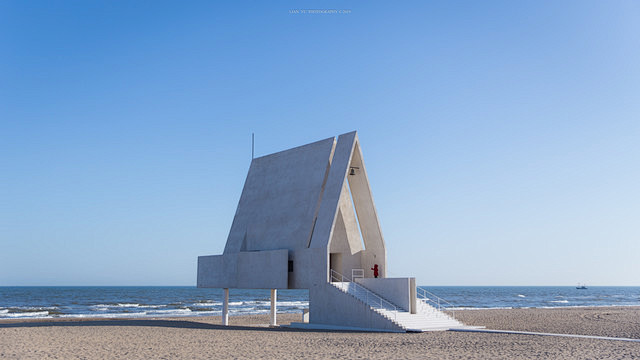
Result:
{"points": [[180, 324]]}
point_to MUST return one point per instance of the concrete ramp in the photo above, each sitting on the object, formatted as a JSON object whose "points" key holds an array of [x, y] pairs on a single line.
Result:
{"points": [[331, 305]]}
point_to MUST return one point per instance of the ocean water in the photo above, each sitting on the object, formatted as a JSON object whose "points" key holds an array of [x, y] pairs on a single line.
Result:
{"points": [[511, 297], [137, 302], [140, 301]]}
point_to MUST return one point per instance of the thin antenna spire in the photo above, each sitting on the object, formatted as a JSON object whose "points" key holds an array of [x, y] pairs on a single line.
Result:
{"points": [[252, 145]]}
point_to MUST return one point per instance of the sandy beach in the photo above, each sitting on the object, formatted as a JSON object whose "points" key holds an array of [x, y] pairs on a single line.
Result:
{"points": [[250, 337]]}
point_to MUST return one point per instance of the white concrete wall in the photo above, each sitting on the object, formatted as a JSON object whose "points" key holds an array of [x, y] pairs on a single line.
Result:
{"points": [[395, 290], [348, 217], [368, 259], [367, 215], [347, 243], [328, 305], [245, 270], [336, 197], [308, 268], [263, 269], [280, 199], [333, 190], [217, 271]]}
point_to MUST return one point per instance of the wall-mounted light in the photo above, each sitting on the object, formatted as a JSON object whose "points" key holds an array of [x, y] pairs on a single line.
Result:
{"points": [[352, 170]]}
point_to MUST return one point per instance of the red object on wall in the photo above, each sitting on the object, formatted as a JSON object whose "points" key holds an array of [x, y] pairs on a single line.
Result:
{"points": [[375, 270]]}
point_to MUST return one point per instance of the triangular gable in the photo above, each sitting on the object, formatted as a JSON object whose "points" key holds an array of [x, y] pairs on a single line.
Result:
{"points": [[336, 203]]}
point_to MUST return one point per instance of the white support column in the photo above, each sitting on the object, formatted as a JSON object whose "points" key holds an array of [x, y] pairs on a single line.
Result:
{"points": [[274, 295], [225, 308]]}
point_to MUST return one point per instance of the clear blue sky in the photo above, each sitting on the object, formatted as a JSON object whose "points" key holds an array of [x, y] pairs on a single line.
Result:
{"points": [[502, 138]]}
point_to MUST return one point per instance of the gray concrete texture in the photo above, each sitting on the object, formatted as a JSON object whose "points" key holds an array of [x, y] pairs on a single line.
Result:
{"points": [[313, 204]]}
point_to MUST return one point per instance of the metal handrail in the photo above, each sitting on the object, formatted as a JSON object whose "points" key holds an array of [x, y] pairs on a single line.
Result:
{"points": [[372, 299], [426, 296], [357, 273]]}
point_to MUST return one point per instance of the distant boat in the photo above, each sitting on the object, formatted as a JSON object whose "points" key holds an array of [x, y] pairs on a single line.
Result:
{"points": [[581, 287]]}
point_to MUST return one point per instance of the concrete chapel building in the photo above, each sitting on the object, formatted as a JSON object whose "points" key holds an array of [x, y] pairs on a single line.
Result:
{"points": [[306, 220]]}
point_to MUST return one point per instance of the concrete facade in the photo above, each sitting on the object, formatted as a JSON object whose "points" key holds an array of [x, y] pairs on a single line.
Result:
{"points": [[243, 270], [330, 306], [305, 220], [280, 199], [395, 290], [313, 204]]}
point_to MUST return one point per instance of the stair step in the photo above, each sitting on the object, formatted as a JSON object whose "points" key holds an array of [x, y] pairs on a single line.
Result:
{"points": [[428, 318]]}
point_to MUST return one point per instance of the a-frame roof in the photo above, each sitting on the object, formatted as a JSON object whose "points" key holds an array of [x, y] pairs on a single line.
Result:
{"points": [[291, 199]]}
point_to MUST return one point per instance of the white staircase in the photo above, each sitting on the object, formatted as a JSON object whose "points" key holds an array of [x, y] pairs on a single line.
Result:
{"points": [[427, 318]]}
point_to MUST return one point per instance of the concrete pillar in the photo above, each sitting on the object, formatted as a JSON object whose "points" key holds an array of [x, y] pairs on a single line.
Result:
{"points": [[274, 295], [225, 308], [413, 296]]}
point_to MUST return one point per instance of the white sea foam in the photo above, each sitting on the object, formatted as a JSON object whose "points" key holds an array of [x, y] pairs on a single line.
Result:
{"points": [[119, 305], [77, 316], [182, 312], [40, 308], [33, 314], [207, 304], [560, 301], [248, 311], [206, 313], [268, 303], [4, 311], [105, 307], [293, 303], [169, 311], [101, 316], [520, 295], [126, 315], [145, 314], [255, 303]]}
